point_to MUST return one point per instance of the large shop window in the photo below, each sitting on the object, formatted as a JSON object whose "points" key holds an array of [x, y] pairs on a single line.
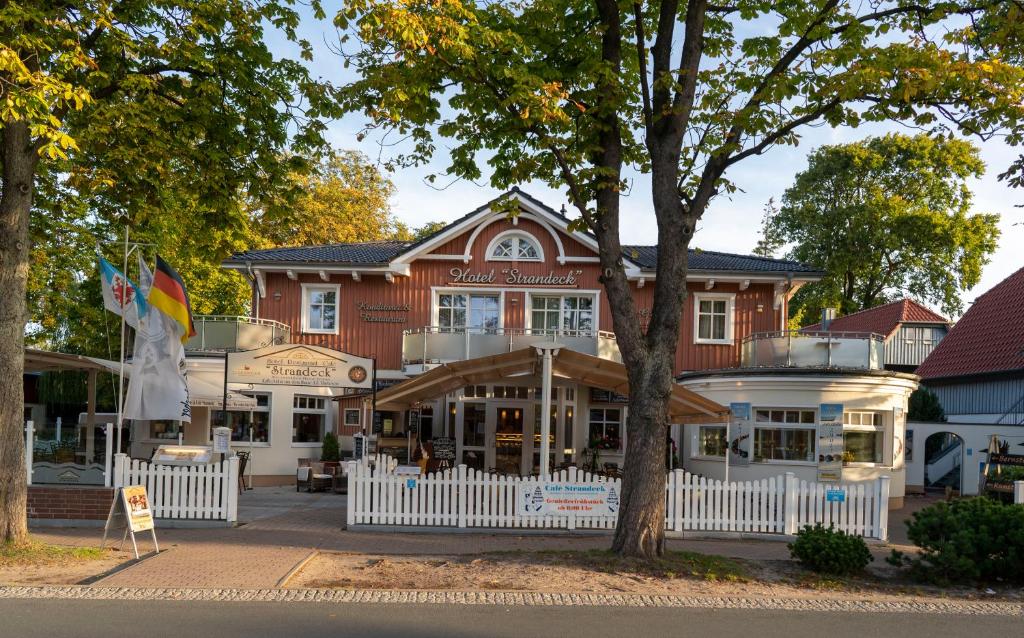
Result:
{"points": [[863, 437], [515, 247], [568, 315], [242, 422], [714, 318], [711, 440], [459, 311], [606, 428], [784, 435], [352, 416], [309, 419], [320, 309]]}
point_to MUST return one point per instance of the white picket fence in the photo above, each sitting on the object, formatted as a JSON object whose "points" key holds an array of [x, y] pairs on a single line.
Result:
{"points": [[463, 497], [198, 492]]}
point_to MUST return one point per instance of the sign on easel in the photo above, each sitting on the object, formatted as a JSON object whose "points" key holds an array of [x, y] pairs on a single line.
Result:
{"points": [[131, 512]]}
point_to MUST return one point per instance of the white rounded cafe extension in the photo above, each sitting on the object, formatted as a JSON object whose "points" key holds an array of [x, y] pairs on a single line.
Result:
{"points": [[785, 404]]}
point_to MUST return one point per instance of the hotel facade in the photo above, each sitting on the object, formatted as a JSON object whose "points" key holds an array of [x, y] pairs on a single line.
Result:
{"points": [[467, 327]]}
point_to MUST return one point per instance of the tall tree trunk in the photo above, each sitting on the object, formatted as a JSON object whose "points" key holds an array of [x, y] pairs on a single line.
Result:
{"points": [[19, 164]]}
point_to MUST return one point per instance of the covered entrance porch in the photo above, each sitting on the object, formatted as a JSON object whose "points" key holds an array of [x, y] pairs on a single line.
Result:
{"points": [[489, 409]]}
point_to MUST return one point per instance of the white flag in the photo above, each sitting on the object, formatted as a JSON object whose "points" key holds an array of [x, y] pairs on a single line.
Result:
{"points": [[158, 388]]}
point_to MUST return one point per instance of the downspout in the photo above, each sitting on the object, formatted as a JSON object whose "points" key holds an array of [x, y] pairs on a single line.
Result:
{"points": [[251, 278]]}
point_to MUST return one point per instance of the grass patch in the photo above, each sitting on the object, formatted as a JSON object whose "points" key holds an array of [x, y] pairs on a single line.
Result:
{"points": [[36, 553], [674, 564]]}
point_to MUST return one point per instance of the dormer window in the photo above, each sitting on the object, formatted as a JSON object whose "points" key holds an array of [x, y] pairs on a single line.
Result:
{"points": [[514, 246]]}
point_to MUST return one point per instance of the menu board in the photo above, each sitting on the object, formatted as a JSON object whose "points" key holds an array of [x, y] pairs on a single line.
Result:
{"points": [[830, 443], [444, 448]]}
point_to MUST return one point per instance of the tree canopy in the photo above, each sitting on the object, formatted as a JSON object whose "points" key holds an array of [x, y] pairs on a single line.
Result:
{"points": [[886, 217]]}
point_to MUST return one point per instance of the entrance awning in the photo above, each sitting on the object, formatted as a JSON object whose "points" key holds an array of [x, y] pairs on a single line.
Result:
{"points": [[685, 406]]}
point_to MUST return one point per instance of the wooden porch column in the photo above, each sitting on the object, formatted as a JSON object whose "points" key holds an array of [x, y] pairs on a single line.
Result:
{"points": [[90, 418], [545, 409]]}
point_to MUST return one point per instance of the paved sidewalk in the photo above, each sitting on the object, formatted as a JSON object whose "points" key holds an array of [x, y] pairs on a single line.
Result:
{"points": [[279, 528]]}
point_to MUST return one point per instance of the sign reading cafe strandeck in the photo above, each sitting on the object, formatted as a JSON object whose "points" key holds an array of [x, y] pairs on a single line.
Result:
{"points": [[302, 365], [568, 499]]}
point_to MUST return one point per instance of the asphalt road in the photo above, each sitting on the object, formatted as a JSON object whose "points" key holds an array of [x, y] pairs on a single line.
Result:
{"points": [[156, 619]]}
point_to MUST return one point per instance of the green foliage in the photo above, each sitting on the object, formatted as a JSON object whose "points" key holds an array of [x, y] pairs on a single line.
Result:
{"points": [[924, 405], [1006, 475], [827, 550], [966, 541], [330, 451], [885, 218]]}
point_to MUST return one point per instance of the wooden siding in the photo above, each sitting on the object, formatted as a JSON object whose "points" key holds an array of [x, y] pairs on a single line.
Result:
{"points": [[901, 351], [989, 396]]}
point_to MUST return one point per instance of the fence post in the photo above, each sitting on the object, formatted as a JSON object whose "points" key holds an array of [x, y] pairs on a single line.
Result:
{"points": [[108, 455], [352, 493], [30, 435], [120, 460], [463, 505], [789, 511], [883, 508], [1018, 492], [232, 488]]}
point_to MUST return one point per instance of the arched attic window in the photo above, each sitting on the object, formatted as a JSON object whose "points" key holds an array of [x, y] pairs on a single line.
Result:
{"points": [[514, 246]]}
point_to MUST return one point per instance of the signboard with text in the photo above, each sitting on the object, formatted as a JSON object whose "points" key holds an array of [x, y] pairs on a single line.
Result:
{"points": [[130, 511], [565, 499], [302, 365], [739, 433], [830, 443], [444, 448]]}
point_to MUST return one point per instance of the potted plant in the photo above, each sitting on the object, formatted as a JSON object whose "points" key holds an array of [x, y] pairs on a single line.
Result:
{"points": [[330, 453]]}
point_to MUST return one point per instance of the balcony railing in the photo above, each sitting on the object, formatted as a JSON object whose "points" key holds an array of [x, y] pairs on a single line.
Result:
{"points": [[226, 333], [793, 349], [432, 345]]}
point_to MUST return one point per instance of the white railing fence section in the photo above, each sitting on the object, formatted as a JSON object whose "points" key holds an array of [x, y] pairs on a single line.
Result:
{"points": [[464, 497], [197, 492]]}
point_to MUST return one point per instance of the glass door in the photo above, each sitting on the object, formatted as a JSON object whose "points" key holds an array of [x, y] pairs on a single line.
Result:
{"points": [[474, 435], [508, 439]]}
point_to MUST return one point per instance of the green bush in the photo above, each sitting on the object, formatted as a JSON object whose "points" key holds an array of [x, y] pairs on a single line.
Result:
{"points": [[968, 540], [330, 450], [827, 550]]}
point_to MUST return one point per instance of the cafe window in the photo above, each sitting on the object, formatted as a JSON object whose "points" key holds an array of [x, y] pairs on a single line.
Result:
{"points": [[309, 419], [242, 422], [784, 435], [514, 246], [475, 391], [565, 314], [320, 308], [458, 311], [606, 428], [863, 437], [713, 318], [165, 430], [352, 416], [711, 441], [474, 431]]}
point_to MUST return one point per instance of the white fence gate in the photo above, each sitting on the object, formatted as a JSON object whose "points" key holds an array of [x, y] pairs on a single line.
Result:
{"points": [[197, 492], [464, 497]]}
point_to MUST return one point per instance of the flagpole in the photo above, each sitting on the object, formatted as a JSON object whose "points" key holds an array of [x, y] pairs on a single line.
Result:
{"points": [[120, 381]]}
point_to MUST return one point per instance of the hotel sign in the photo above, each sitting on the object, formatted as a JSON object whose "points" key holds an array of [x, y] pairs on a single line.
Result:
{"points": [[301, 365], [514, 277]]}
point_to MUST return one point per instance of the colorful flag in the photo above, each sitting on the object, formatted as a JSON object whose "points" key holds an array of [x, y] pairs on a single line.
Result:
{"points": [[120, 295], [158, 384], [168, 294]]}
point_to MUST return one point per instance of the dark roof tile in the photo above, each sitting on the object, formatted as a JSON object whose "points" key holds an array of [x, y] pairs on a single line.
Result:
{"points": [[883, 319]]}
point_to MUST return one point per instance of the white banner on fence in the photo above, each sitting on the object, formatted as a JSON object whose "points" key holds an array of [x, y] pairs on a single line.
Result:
{"points": [[561, 499]]}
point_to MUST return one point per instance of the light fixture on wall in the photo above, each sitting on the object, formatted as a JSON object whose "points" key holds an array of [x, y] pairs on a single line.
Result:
{"points": [[277, 295]]}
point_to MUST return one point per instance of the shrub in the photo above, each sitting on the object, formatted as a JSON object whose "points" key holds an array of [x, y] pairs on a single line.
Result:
{"points": [[827, 550], [968, 540], [330, 450]]}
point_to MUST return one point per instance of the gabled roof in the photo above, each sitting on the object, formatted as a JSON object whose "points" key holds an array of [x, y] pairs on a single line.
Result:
{"points": [[883, 320], [373, 253], [647, 258], [988, 338]]}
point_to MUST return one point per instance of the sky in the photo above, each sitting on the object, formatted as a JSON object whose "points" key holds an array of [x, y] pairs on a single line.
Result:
{"points": [[731, 223]]}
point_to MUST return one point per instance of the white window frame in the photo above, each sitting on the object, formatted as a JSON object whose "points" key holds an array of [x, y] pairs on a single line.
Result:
{"points": [[326, 412], [699, 453], [554, 294], [309, 288], [359, 414], [730, 316], [436, 304], [775, 425], [605, 422], [517, 235], [268, 410], [878, 428]]}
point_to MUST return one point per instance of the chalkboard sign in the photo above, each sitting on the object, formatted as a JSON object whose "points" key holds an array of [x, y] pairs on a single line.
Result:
{"points": [[378, 422], [414, 421], [444, 448], [360, 446], [605, 396]]}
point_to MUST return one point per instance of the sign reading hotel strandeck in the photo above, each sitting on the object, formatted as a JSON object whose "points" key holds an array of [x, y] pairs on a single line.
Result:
{"points": [[298, 364], [568, 499]]}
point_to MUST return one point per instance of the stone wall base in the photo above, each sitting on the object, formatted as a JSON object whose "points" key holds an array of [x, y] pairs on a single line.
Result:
{"points": [[69, 502]]}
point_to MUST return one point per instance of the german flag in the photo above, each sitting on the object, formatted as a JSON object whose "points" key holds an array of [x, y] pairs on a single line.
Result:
{"points": [[169, 296]]}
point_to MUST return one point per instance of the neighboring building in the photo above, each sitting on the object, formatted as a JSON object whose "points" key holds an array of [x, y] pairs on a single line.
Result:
{"points": [[910, 331], [977, 372], [460, 324]]}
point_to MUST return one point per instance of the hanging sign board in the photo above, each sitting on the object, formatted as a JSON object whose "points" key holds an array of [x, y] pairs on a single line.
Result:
{"points": [[414, 421], [830, 443], [378, 423], [298, 364], [359, 443], [739, 434], [561, 499], [131, 512]]}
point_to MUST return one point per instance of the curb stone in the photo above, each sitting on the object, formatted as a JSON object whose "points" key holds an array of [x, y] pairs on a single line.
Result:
{"points": [[518, 599]]}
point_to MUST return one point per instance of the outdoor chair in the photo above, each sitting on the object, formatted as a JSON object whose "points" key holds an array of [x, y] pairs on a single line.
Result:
{"points": [[312, 476], [243, 460]]}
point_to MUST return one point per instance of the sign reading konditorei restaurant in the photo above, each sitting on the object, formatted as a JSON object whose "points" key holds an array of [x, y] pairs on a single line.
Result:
{"points": [[383, 312], [514, 277], [830, 443], [302, 365]]}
